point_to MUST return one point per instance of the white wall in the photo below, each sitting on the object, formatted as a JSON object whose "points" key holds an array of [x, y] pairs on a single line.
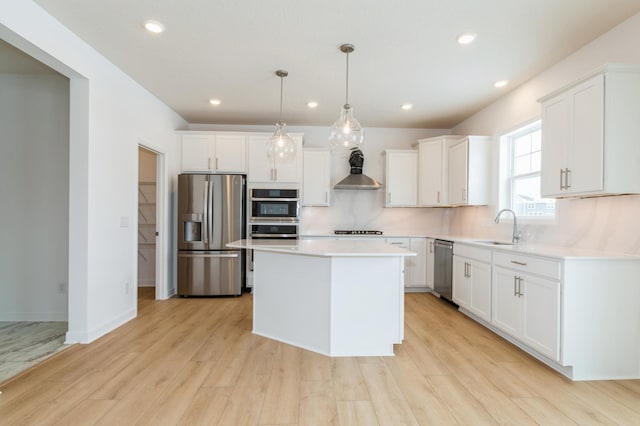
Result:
{"points": [[608, 223], [360, 209], [110, 116], [34, 194]]}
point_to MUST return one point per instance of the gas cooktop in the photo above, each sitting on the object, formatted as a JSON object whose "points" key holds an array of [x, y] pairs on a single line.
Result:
{"points": [[357, 232]]}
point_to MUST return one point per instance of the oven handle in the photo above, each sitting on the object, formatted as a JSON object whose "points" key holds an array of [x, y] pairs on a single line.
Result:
{"points": [[272, 236], [274, 220], [207, 255], [275, 199]]}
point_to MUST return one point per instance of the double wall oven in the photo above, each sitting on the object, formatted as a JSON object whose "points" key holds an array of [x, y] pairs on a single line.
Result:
{"points": [[273, 214]]}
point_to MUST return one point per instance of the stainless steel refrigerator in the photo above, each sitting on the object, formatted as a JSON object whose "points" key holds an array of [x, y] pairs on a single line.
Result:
{"points": [[211, 213]]}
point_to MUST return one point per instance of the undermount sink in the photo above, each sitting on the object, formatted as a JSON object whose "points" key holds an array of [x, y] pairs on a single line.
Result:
{"points": [[495, 243]]}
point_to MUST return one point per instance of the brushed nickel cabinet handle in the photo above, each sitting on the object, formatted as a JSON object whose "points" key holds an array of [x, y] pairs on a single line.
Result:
{"points": [[515, 262]]}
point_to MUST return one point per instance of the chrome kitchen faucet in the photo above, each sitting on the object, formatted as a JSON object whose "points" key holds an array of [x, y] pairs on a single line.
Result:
{"points": [[516, 234]]}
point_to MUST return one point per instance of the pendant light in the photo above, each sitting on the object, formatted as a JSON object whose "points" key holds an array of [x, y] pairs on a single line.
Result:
{"points": [[281, 147], [346, 132]]}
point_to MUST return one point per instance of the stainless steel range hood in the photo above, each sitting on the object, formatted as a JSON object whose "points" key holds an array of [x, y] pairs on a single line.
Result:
{"points": [[356, 179]]}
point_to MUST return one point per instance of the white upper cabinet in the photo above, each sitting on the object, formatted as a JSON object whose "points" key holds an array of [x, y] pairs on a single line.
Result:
{"points": [[433, 170], [401, 175], [590, 135], [316, 177], [468, 171], [264, 170], [213, 153], [231, 153]]}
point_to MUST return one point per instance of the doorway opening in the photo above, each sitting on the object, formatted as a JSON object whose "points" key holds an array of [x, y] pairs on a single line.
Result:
{"points": [[147, 223], [152, 241]]}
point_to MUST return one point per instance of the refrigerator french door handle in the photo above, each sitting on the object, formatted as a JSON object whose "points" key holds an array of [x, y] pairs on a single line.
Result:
{"points": [[211, 255], [210, 205], [205, 214]]}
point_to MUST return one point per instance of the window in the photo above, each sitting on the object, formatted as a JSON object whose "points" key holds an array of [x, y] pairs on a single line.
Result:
{"points": [[521, 152]]}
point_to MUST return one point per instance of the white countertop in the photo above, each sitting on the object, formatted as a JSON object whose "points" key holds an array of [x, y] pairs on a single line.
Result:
{"points": [[558, 252], [324, 247]]}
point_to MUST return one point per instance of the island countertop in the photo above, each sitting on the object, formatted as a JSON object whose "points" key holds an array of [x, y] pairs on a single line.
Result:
{"points": [[324, 247]]}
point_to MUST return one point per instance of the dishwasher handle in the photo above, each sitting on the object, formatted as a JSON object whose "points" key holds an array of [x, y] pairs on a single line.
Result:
{"points": [[444, 244]]}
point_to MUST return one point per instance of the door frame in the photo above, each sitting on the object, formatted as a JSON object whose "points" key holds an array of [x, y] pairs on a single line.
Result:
{"points": [[162, 242]]}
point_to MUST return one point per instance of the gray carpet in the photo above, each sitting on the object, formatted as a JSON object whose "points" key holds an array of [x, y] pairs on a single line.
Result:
{"points": [[23, 344]]}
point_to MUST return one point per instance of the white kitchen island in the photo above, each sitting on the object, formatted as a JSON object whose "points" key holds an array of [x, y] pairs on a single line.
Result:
{"points": [[334, 297]]}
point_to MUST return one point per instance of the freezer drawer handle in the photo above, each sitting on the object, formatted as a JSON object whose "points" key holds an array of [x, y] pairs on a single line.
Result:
{"points": [[207, 255]]}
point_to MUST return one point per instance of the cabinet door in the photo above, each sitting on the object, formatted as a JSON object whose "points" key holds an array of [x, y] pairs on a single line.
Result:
{"points": [[401, 179], [541, 316], [430, 186], [507, 306], [555, 139], [479, 275], [195, 151], [316, 177], [231, 153], [458, 169], [460, 284], [416, 266], [573, 140], [586, 150], [430, 263], [290, 171], [260, 166]]}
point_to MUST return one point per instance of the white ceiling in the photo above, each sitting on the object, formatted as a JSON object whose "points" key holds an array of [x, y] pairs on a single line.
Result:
{"points": [[405, 52]]}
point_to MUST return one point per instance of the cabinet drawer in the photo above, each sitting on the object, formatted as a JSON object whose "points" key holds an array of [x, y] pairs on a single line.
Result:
{"points": [[533, 265], [399, 242], [472, 252]]}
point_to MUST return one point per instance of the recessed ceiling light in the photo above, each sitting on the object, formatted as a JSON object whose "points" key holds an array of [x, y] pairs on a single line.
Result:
{"points": [[466, 38], [406, 107], [215, 102], [312, 104], [154, 26], [500, 83]]}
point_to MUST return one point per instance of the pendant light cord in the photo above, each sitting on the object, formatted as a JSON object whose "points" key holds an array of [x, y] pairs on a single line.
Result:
{"points": [[347, 85], [281, 85]]}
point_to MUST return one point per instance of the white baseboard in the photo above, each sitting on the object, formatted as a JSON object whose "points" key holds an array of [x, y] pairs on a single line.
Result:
{"points": [[80, 336]]}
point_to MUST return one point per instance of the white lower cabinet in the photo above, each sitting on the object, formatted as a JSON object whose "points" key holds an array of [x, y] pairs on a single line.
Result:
{"points": [[415, 267], [528, 308], [471, 280], [430, 264], [578, 314]]}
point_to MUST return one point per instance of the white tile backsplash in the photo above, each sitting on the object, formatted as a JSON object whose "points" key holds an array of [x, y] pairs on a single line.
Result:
{"points": [[601, 223]]}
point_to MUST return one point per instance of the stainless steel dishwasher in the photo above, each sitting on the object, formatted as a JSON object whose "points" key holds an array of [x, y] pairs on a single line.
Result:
{"points": [[443, 268]]}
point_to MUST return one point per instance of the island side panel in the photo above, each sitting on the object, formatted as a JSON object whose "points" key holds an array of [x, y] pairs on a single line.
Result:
{"points": [[601, 319], [291, 299], [367, 302]]}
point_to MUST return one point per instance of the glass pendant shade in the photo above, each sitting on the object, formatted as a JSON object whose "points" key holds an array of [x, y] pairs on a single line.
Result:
{"points": [[346, 132], [281, 147]]}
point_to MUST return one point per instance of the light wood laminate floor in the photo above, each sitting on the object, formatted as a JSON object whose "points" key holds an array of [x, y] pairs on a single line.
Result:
{"points": [[195, 361]]}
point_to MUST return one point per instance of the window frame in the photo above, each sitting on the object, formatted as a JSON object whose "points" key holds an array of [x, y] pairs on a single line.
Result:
{"points": [[506, 180]]}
